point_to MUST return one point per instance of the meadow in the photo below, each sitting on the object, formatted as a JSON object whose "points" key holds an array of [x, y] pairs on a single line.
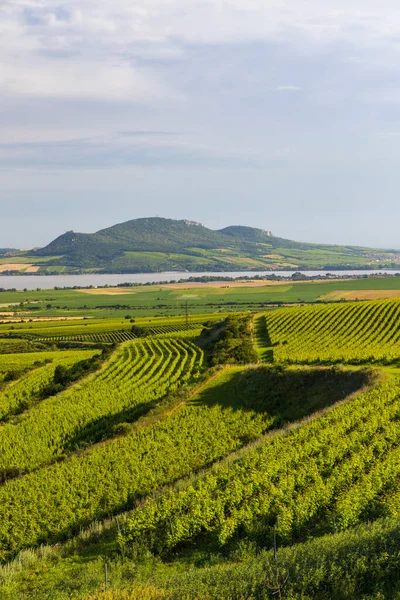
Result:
{"points": [[220, 454]]}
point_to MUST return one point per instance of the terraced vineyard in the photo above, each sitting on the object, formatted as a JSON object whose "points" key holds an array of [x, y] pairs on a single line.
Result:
{"points": [[141, 373], [324, 476], [354, 332], [173, 442], [20, 394], [188, 460], [191, 329], [108, 337]]}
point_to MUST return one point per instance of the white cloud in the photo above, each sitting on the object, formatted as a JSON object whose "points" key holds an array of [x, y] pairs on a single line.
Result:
{"points": [[90, 48], [288, 88], [220, 20], [144, 148], [80, 79]]}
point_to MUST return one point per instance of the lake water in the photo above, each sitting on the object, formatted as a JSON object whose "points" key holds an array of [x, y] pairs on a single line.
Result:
{"points": [[31, 282]]}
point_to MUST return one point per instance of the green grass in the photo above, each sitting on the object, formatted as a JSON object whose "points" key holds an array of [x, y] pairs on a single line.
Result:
{"points": [[357, 564]]}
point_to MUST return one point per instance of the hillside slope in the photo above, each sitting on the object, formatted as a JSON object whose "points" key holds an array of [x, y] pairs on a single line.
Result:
{"points": [[158, 244], [175, 475]]}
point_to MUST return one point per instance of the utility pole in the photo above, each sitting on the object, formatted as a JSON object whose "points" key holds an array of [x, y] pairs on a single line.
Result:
{"points": [[187, 316]]}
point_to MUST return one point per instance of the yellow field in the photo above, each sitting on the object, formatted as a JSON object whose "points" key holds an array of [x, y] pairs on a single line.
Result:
{"points": [[17, 267], [108, 291], [225, 284], [362, 295]]}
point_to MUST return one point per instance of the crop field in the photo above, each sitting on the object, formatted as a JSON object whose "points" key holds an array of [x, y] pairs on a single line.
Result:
{"points": [[17, 333], [30, 373], [362, 332], [341, 469], [250, 455], [190, 329], [184, 438], [168, 300], [139, 374]]}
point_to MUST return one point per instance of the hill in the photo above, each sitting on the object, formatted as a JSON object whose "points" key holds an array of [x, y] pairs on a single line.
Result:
{"points": [[180, 466], [158, 244]]}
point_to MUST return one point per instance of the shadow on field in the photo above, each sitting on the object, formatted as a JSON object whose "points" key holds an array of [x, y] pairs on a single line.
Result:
{"points": [[285, 394], [107, 427], [262, 339]]}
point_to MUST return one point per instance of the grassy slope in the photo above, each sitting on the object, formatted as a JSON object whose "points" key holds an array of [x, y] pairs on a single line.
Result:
{"points": [[359, 564]]}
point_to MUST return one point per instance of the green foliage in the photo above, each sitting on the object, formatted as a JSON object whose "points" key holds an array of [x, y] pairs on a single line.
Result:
{"points": [[325, 475], [156, 244], [65, 375], [27, 375], [362, 563], [128, 386], [355, 333], [182, 438], [11, 346], [234, 343]]}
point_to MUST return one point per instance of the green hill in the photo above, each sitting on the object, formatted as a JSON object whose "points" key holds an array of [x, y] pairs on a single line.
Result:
{"points": [[185, 468], [158, 244]]}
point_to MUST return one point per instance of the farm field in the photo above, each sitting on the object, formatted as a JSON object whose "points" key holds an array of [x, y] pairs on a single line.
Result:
{"points": [[168, 300], [362, 332], [227, 455]]}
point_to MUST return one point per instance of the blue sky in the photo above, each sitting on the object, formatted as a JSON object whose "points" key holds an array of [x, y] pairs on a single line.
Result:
{"points": [[279, 115]]}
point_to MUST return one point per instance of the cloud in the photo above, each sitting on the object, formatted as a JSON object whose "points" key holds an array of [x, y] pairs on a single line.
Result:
{"points": [[142, 133], [288, 88], [112, 51], [82, 79], [118, 151], [213, 20]]}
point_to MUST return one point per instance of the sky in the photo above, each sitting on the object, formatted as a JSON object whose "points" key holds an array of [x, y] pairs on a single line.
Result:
{"points": [[283, 115]]}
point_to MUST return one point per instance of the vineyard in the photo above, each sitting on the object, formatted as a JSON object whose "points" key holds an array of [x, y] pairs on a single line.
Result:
{"points": [[184, 437], [31, 372], [355, 333], [191, 329], [323, 477], [139, 375], [247, 457]]}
